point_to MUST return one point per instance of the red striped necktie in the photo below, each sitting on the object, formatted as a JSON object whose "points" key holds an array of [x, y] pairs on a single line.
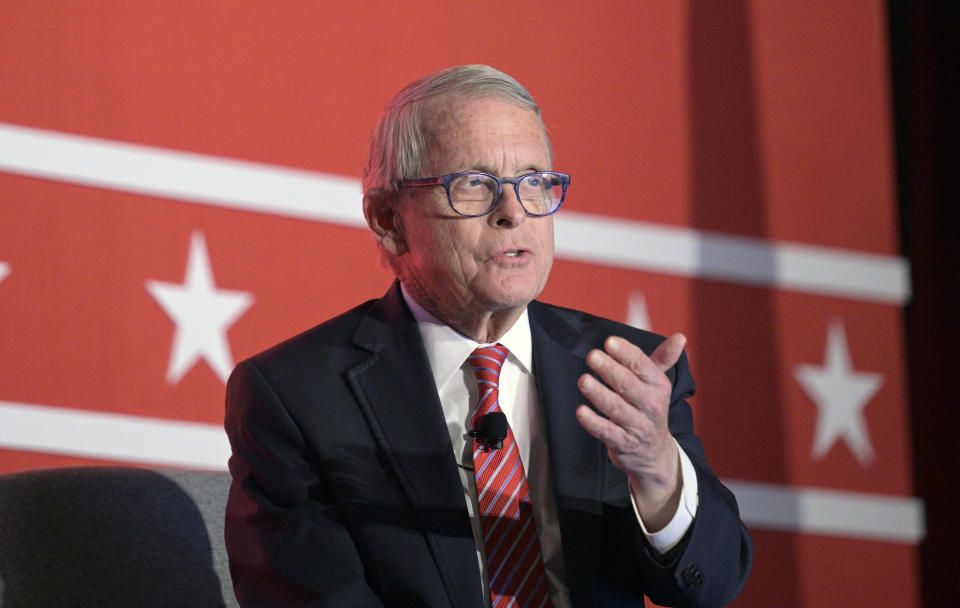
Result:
{"points": [[514, 564]]}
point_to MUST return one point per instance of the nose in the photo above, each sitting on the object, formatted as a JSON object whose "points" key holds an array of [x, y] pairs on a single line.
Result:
{"points": [[509, 212]]}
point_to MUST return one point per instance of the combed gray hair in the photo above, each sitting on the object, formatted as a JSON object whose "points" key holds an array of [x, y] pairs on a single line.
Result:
{"points": [[398, 141]]}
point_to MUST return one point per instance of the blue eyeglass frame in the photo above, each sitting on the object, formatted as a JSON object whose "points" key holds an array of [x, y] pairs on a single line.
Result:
{"points": [[444, 180]]}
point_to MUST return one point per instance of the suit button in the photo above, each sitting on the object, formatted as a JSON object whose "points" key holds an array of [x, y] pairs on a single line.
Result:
{"points": [[691, 576]]}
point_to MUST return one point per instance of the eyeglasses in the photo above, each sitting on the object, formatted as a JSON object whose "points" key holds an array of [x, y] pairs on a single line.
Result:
{"points": [[473, 194]]}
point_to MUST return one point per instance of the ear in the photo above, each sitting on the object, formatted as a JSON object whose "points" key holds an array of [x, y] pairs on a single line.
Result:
{"points": [[379, 211]]}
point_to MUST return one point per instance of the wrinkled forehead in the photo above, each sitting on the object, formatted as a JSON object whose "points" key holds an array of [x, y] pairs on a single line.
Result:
{"points": [[453, 124], [453, 110]]}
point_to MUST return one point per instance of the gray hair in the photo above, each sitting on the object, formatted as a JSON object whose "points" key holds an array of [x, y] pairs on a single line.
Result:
{"points": [[398, 141]]}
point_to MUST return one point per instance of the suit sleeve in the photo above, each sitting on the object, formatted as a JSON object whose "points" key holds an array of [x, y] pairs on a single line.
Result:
{"points": [[711, 564], [285, 537]]}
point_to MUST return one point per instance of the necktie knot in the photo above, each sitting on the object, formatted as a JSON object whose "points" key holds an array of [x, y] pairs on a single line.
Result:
{"points": [[486, 362]]}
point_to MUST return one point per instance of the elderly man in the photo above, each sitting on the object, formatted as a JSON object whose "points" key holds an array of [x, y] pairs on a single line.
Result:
{"points": [[435, 447]]}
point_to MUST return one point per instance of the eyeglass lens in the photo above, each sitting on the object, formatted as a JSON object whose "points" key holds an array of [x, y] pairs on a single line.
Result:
{"points": [[475, 193]]}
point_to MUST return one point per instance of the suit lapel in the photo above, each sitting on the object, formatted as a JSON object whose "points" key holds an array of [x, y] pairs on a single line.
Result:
{"points": [[578, 460], [396, 390]]}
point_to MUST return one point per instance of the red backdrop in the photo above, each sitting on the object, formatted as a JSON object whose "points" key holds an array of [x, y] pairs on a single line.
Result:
{"points": [[179, 189]]}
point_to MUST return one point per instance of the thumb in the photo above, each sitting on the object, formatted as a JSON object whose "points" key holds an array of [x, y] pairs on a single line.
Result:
{"points": [[668, 353]]}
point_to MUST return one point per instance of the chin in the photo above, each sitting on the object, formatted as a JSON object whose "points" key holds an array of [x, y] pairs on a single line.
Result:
{"points": [[513, 298], [510, 290]]}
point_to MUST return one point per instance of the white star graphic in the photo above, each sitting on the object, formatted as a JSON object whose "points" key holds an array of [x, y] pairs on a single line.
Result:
{"points": [[4, 270], [202, 314], [637, 314], [840, 394]]}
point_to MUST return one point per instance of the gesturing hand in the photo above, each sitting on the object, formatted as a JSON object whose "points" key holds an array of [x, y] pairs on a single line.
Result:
{"points": [[635, 429]]}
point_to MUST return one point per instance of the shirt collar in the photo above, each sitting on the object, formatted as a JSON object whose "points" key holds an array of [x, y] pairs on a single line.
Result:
{"points": [[447, 348]]}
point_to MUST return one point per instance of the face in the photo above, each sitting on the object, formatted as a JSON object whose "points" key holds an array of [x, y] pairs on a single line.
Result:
{"points": [[459, 266]]}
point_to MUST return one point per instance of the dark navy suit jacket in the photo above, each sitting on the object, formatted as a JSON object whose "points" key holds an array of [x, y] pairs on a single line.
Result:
{"points": [[346, 490]]}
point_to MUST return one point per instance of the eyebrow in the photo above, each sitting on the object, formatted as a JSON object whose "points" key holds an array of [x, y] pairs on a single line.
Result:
{"points": [[482, 168], [479, 167]]}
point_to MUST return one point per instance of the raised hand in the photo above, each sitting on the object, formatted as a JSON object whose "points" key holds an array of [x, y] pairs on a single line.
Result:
{"points": [[635, 404]]}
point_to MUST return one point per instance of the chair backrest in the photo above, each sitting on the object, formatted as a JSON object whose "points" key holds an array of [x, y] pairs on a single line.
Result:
{"points": [[113, 536]]}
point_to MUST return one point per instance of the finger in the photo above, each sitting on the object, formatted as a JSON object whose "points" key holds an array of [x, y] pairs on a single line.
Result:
{"points": [[615, 373], [599, 427], [668, 353], [626, 368], [633, 358], [625, 413], [608, 402]]}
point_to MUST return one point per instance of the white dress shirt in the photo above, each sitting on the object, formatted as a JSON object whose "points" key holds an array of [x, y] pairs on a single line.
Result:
{"points": [[447, 351]]}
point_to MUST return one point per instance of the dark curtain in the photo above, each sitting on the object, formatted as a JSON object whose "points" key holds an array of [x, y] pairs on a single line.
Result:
{"points": [[924, 70]]}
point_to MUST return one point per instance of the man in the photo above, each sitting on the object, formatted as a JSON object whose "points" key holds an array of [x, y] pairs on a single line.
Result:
{"points": [[364, 470]]}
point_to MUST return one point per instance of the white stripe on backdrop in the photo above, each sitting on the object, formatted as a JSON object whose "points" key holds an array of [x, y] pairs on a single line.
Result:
{"points": [[144, 440], [248, 186]]}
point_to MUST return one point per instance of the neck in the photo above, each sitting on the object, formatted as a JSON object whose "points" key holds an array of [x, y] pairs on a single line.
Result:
{"points": [[486, 328], [477, 322]]}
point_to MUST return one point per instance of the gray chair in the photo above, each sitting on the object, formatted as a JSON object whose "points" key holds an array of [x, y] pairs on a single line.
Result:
{"points": [[113, 536]]}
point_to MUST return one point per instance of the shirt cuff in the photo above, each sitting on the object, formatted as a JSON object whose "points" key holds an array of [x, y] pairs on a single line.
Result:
{"points": [[671, 534]]}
